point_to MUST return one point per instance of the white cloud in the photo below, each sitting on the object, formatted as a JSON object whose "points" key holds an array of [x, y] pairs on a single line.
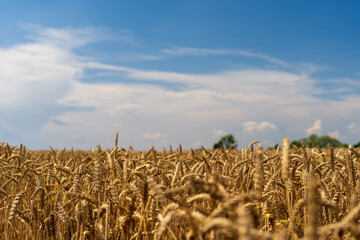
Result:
{"points": [[36, 73], [240, 86], [219, 132], [153, 136], [206, 52], [334, 134], [353, 129], [44, 70], [262, 126], [128, 108], [316, 128]]}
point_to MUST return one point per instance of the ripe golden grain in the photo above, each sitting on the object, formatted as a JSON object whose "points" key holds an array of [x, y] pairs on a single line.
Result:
{"points": [[287, 193]]}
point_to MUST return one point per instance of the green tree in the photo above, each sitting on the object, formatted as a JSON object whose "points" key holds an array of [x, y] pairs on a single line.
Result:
{"points": [[226, 142], [356, 145], [297, 143], [315, 141]]}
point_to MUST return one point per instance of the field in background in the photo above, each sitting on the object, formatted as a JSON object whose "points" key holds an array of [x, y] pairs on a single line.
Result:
{"points": [[222, 194]]}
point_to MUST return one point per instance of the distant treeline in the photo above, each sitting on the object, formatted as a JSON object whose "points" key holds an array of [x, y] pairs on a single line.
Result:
{"points": [[322, 142], [312, 141]]}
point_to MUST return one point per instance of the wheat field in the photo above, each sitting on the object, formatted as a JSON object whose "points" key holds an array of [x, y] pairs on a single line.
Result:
{"points": [[288, 193]]}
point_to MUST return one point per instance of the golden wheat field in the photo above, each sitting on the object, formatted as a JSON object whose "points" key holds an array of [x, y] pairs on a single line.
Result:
{"points": [[288, 193]]}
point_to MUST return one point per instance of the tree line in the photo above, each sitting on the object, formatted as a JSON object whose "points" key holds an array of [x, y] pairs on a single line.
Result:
{"points": [[313, 140]]}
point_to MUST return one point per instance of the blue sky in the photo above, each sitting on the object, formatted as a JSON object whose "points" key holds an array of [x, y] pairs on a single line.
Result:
{"points": [[73, 73]]}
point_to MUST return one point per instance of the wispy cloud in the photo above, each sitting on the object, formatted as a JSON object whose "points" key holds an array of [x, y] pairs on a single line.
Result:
{"points": [[71, 37], [238, 85], [67, 37], [139, 57], [225, 52], [316, 128]]}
